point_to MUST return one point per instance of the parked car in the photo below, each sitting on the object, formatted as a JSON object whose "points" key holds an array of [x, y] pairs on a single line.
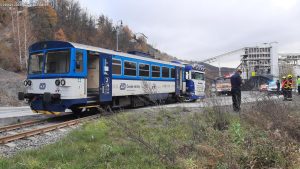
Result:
{"points": [[272, 87]]}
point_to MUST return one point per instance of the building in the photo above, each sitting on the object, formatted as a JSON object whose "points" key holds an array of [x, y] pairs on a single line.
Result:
{"points": [[260, 60], [289, 58], [289, 63]]}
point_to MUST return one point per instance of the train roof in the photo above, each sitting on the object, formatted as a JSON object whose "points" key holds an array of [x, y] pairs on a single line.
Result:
{"points": [[63, 44]]}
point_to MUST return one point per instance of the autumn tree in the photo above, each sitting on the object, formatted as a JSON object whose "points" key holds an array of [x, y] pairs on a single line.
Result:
{"points": [[125, 39], [106, 32], [60, 35], [67, 21], [43, 20]]}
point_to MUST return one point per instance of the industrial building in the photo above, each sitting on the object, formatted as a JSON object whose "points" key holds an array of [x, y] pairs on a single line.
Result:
{"points": [[289, 63], [260, 61]]}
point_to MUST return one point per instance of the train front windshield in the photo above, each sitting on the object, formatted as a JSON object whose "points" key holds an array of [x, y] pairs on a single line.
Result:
{"points": [[197, 76], [56, 62], [36, 63]]}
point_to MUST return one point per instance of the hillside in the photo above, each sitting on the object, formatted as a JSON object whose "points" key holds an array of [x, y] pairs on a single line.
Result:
{"points": [[67, 21], [10, 84]]}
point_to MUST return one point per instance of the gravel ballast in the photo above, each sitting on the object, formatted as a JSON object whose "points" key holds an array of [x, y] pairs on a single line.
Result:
{"points": [[35, 142]]}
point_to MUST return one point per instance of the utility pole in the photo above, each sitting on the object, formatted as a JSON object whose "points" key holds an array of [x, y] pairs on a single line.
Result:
{"points": [[12, 22], [220, 73], [118, 27], [18, 28], [25, 38]]}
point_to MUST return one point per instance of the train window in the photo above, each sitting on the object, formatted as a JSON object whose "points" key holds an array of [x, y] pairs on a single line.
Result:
{"points": [[116, 67], [79, 61], [129, 68], [165, 72], [144, 70], [172, 73], [57, 61], [36, 63], [155, 71]]}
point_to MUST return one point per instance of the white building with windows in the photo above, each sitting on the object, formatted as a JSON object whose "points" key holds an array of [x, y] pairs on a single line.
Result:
{"points": [[289, 62], [260, 60]]}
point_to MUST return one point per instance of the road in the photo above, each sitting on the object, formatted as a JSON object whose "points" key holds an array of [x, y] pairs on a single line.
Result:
{"points": [[247, 97], [15, 111]]}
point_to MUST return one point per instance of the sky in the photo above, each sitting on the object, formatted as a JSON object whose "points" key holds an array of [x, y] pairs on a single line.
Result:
{"points": [[200, 29]]}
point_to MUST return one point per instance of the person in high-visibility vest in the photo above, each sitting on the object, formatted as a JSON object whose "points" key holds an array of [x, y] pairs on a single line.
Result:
{"points": [[298, 84], [283, 87], [289, 87]]}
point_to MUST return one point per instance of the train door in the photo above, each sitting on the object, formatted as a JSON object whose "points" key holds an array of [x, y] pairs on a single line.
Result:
{"points": [[93, 74], [105, 76], [177, 80]]}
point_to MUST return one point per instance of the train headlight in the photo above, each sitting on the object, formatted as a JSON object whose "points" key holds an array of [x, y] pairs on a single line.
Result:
{"points": [[57, 82], [25, 83], [63, 82], [29, 83]]}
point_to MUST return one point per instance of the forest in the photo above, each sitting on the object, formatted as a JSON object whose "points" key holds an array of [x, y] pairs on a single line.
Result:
{"points": [[66, 21]]}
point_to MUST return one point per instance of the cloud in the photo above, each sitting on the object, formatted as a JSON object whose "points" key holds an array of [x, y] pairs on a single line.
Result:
{"points": [[202, 28]]}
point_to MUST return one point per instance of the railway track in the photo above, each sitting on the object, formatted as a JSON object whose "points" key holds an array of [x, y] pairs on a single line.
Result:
{"points": [[20, 125], [41, 130]]}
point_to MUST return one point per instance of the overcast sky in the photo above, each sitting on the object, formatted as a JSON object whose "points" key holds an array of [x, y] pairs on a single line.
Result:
{"points": [[198, 29]]}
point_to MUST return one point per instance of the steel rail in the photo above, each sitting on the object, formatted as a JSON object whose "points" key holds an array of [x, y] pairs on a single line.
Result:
{"points": [[19, 125], [33, 132]]}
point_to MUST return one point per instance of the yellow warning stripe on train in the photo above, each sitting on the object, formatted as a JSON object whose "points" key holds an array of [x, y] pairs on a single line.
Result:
{"points": [[46, 112], [89, 107]]}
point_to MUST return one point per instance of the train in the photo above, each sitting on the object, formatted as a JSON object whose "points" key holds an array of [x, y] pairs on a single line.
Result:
{"points": [[65, 76]]}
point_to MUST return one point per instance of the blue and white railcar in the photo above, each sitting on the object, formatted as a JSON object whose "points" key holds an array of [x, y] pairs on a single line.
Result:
{"points": [[66, 75]]}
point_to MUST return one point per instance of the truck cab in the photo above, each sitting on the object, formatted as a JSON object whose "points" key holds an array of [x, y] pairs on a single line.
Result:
{"points": [[195, 82]]}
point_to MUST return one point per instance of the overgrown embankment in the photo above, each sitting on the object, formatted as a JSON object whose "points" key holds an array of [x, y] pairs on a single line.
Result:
{"points": [[10, 84], [213, 137]]}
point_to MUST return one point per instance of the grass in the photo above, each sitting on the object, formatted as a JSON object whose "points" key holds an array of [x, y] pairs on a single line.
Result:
{"points": [[96, 145], [165, 139]]}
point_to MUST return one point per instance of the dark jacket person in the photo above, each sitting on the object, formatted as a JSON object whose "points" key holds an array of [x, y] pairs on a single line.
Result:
{"points": [[236, 82]]}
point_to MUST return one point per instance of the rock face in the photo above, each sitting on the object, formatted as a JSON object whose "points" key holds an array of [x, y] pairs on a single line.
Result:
{"points": [[10, 84]]}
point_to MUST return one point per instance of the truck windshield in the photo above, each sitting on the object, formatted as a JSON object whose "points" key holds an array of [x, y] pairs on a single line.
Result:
{"points": [[197, 76], [36, 63], [227, 80], [222, 80], [57, 62]]}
